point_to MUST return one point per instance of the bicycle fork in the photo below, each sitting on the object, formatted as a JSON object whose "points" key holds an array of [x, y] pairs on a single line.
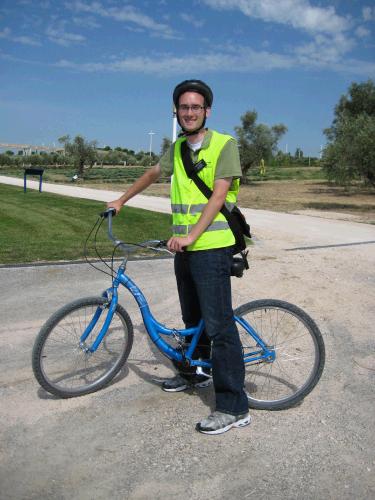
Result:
{"points": [[99, 311], [266, 354]]}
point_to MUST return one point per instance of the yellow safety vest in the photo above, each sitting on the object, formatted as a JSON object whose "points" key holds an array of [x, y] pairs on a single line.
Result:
{"points": [[188, 201]]}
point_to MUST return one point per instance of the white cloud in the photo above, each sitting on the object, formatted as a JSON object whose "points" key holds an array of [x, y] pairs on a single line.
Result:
{"points": [[324, 50], [6, 33], [166, 64], [197, 23], [356, 67], [368, 13], [318, 55], [86, 22], [58, 35], [329, 34], [26, 40], [297, 13], [362, 32], [125, 13]]}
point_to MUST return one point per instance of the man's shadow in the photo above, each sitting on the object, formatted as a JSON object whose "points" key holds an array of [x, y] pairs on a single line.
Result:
{"points": [[141, 367]]}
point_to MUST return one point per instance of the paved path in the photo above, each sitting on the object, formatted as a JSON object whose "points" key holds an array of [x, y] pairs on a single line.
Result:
{"points": [[133, 441], [147, 202]]}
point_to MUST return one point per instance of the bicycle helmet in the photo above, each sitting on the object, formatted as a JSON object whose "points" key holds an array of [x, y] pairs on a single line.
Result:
{"points": [[193, 86]]}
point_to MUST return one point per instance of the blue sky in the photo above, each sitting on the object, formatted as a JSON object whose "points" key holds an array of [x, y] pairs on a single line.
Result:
{"points": [[106, 69]]}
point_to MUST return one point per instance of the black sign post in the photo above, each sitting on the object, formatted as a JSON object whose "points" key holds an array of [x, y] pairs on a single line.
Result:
{"points": [[33, 171]]}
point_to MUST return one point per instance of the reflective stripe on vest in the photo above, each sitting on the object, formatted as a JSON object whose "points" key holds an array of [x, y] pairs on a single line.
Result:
{"points": [[214, 226], [188, 202], [195, 209]]}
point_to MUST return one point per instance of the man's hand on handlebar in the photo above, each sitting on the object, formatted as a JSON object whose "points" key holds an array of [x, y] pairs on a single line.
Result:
{"points": [[109, 211], [177, 243], [116, 204]]}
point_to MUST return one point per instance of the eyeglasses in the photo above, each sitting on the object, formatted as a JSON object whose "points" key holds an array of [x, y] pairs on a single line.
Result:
{"points": [[196, 108]]}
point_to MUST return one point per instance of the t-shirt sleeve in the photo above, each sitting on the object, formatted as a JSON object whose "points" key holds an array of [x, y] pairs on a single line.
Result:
{"points": [[166, 162], [228, 164]]}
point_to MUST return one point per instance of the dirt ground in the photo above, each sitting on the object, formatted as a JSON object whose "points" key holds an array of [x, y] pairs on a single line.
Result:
{"points": [[131, 440], [355, 203]]}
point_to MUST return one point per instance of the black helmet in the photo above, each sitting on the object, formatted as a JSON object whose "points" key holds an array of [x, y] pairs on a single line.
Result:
{"points": [[193, 86]]}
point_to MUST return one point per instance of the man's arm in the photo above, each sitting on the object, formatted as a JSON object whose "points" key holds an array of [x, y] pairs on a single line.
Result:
{"points": [[151, 175], [214, 204]]}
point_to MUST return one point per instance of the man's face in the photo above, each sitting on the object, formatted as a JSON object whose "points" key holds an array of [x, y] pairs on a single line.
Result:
{"points": [[191, 110]]}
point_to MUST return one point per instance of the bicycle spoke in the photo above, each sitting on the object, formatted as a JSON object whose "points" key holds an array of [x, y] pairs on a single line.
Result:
{"points": [[287, 332], [66, 364]]}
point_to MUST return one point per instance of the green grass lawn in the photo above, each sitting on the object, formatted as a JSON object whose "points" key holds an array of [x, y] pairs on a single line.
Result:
{"points": [[46, 227]]}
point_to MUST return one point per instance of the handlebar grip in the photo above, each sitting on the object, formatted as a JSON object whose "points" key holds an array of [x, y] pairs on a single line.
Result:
{"points": [[106, 213], [162, 243]]}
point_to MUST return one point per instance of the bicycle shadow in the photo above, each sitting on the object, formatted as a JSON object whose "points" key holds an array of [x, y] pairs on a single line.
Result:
{"points": [[141, 368], [205, 394], [123, 373]]}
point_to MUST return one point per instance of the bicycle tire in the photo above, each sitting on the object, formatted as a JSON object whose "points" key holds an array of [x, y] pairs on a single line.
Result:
{"points": [[60, 364], [299, 349]]}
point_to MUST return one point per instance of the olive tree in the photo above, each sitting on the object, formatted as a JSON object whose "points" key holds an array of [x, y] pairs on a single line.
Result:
{"points": [[350, 152], [82, 152], [166, 143], [257, 141]]}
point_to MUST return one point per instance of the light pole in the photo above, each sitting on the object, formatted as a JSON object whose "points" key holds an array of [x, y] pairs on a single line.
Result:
{"points": [[151, 134], [174, 131]]}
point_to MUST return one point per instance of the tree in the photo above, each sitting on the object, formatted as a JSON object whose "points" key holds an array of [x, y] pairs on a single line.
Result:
{"points": [[81, 151], [350, 152], [257, 142], [298, 154], [6, 159], [281, 159], [166, 143], [114, 157]]}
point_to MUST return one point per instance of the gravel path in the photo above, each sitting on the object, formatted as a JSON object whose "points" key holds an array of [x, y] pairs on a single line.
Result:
{"points": [[133, 441]]}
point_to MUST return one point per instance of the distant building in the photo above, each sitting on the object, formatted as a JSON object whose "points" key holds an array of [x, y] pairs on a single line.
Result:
{"points": [[29, 148]]}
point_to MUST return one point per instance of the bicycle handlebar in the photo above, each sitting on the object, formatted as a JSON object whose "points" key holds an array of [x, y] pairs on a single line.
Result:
{"points": [[157, 245], [108, 214]]}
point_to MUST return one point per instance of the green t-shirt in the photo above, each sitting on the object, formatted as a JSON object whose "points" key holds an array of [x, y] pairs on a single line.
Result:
{"points": [[228, 164]]}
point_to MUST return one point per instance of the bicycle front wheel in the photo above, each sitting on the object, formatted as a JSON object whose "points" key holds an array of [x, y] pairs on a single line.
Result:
{"points": [[63, 364], [298, 349]]}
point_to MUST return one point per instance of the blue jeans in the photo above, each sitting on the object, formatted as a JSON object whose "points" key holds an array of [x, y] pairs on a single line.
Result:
{"points": [[204, 287]]}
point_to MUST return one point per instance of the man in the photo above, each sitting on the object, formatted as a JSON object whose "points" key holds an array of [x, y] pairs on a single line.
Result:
{"points": [[202, 242]]}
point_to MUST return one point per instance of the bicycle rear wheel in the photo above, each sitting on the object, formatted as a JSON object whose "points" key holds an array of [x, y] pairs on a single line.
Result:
{"points": [[299, 354], [63, 365]]}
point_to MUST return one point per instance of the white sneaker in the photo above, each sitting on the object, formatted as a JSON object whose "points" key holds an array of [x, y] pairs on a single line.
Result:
{"points": [[219, 422]]}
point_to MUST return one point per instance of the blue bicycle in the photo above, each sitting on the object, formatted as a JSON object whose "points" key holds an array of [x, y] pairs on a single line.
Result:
{"points": [[84, 345]]}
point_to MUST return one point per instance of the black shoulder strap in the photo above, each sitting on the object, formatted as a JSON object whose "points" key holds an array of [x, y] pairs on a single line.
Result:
{"points": [[202, 186]]}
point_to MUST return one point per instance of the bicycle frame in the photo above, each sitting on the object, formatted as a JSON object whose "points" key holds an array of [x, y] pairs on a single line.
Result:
{"points": [[156, 329]]}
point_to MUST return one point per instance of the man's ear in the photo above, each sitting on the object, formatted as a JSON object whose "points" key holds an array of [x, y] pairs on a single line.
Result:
{"points": [[208, 112]]}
